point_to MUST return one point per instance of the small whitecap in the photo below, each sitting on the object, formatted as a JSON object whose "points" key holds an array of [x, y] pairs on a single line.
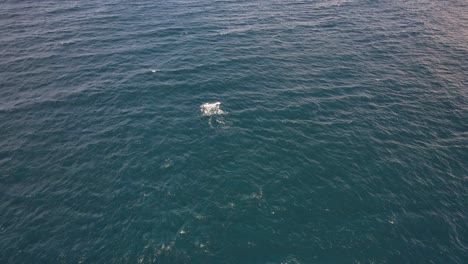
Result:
{"points": [[167, 163], [199, 217], [209, 109]]}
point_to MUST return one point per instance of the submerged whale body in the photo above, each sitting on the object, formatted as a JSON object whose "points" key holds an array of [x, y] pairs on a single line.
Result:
{"points": [[209, 109]]}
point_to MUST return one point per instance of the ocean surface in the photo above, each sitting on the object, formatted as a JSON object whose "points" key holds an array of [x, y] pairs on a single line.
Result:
{"points": [[234, 131]]}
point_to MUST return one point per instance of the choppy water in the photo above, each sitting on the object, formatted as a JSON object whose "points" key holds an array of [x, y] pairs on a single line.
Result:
{"points": [[343, 136]]}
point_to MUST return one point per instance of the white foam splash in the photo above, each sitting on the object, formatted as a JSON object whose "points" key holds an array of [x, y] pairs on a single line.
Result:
{"points": [[209, 109]]}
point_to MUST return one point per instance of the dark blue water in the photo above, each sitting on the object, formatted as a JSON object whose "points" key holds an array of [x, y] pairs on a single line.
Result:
{"points": [[342, 134]]}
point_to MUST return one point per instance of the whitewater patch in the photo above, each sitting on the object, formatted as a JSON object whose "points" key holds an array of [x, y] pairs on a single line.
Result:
{"points": [[216, 115], [210, 109]]}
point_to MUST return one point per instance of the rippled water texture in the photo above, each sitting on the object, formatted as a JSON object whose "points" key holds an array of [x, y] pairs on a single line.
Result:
{"points": [[343, 140]]}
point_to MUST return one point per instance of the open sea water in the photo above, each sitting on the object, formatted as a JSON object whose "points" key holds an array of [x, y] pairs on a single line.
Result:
{"points": [[341, 135]]}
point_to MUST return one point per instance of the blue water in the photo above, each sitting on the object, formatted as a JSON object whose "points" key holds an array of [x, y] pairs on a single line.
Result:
{"points": [[341, 137]]}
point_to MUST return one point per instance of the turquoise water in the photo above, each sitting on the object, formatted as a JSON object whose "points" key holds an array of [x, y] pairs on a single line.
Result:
{"points": [[341, 136]]}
